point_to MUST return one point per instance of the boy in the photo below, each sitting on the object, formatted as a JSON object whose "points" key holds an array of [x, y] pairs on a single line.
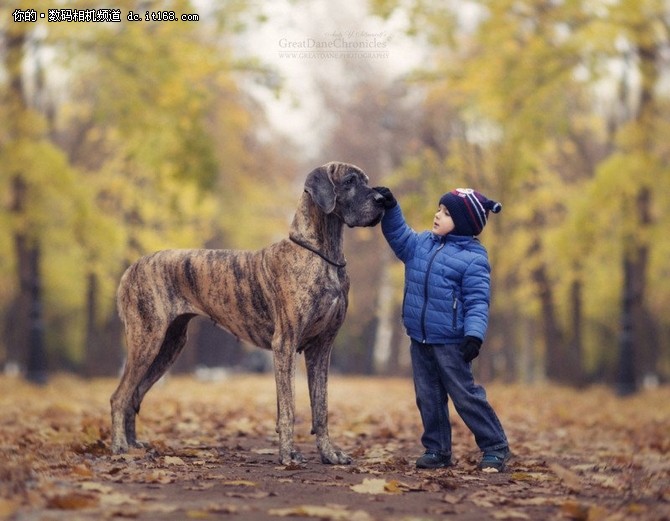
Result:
{"points": [[445, 311]]}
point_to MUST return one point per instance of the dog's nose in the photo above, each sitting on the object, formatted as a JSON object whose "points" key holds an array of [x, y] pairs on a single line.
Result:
{"points": [[379, 198]]}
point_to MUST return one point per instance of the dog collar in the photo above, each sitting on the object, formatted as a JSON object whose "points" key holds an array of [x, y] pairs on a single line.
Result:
{"points": [[314, 250]]}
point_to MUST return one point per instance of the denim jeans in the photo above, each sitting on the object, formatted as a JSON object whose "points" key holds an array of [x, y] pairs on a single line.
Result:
{"points": [[439, 373]]}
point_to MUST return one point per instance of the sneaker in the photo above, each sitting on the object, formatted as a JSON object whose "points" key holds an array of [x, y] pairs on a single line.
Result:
{"points": [[433, 460], [495, 460]]}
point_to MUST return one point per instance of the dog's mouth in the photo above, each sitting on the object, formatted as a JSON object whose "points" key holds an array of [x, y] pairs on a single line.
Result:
{"points": [[376, 220], [373, 222]]}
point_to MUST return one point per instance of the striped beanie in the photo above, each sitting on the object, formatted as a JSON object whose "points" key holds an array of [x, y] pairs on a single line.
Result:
{"points": [[469, 210]]}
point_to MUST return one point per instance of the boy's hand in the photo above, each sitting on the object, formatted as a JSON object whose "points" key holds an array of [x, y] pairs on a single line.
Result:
{"points": [[389, 200], [470, 348]]}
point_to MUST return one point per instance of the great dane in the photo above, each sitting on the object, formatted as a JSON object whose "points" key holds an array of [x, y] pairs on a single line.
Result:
{"points": [[290, 297]]}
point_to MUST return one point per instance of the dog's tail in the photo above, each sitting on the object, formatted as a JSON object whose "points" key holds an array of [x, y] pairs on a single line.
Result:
{"points": [[123, 296]]}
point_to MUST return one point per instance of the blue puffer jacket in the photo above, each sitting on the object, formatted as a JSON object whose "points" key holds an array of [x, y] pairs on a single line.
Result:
{"points": [[447, 282]]}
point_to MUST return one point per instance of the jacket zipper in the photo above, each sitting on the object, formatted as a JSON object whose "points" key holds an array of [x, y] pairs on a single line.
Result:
{"points": [[455, 317], [425, 298]]}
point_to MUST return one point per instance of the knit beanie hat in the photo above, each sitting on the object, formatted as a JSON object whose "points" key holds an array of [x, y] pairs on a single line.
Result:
{"points": [[469, 210]]}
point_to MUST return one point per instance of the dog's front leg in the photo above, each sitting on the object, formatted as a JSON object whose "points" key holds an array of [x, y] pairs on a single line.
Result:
{"points": [[317, 360], [284, 362]]}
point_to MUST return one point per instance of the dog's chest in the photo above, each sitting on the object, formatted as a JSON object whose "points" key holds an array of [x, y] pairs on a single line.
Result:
{"points": [[327, 315], [328, 307]]}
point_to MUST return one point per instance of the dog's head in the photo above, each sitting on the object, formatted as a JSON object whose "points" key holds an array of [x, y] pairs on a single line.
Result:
{"points": [[342, 189]]}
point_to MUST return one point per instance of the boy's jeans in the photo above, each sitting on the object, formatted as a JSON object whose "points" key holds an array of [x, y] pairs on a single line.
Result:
{"points": [[440, 371]]}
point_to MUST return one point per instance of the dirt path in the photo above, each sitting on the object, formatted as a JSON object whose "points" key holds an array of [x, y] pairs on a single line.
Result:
{"points": [[578, 455]]}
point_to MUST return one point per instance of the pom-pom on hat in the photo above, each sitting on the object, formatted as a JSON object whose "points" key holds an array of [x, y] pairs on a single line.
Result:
{"points": [[469, 210]]}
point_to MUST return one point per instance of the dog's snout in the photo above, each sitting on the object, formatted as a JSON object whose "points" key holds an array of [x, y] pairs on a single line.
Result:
{"points": [[379, 198]]}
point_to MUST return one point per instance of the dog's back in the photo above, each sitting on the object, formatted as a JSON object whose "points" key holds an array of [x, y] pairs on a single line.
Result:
{"points": [[220, 284]]}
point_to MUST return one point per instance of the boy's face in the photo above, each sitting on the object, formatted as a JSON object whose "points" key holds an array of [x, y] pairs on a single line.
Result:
{"points": [[443, 223]]}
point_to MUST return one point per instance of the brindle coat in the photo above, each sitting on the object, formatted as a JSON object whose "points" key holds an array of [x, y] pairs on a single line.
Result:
{"points": [[289, 297]]}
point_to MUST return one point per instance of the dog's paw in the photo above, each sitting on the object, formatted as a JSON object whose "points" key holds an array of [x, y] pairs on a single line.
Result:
{"points": [[336, 457], [294, 457], [119, 448]]}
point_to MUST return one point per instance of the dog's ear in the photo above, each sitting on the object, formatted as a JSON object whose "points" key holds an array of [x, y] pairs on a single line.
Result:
{"points": [[320, 186]]}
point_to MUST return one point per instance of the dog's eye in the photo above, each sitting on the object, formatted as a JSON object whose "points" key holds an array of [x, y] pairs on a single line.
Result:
{"points": [[350, 180]]}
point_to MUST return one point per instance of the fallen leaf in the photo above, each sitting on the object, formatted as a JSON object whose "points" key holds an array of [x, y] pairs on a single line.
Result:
{"points": [[395, 487], [575, 511], [537, 501], [8, 507], [197, 453], [82, 470], [452, 499], [223, 508], [440, 511], [510, 514], [608, 481], [160, 477], [72, 501], [242, 426], [521, 476], [597, 513], [92, 486], [268, 451], [200, 486], [482, 502], [116, 499], [239, 483], [173, 460], [259, 494], [371, 486], [325, 513], [159, 508], [567, 477]]}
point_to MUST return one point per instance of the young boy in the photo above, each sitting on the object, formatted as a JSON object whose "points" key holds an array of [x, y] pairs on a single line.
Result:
{"points": [[445, 311]]}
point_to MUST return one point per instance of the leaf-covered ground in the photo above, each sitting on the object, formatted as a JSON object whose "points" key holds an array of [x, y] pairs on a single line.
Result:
{"points": [[579, 454]]}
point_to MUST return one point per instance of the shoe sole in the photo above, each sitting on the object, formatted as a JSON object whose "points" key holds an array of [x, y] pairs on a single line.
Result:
{"points": [[498, 467], [431, 467]]}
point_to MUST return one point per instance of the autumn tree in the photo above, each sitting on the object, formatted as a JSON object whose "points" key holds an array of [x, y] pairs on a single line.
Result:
{"points": [[635, 37], [529, 82], [147, 142], [37, 178]]}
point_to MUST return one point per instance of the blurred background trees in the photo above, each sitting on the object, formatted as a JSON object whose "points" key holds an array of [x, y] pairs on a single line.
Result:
{"points": [[117, 139]]}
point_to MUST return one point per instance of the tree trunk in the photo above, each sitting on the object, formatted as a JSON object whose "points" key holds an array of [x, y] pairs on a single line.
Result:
{"points": [[27, 329], [556, 365], [91, 363], [626, 370], [644, 326], [29, 333], [638, 351], [384, 325], [575, 348]]}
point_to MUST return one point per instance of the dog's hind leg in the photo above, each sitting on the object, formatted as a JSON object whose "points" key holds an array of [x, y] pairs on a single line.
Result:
{"points": [[143, 347], [140, 374], [172, 346]]}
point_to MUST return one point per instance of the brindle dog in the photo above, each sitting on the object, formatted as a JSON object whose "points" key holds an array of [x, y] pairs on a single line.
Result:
{"points": [[290, 297]]}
